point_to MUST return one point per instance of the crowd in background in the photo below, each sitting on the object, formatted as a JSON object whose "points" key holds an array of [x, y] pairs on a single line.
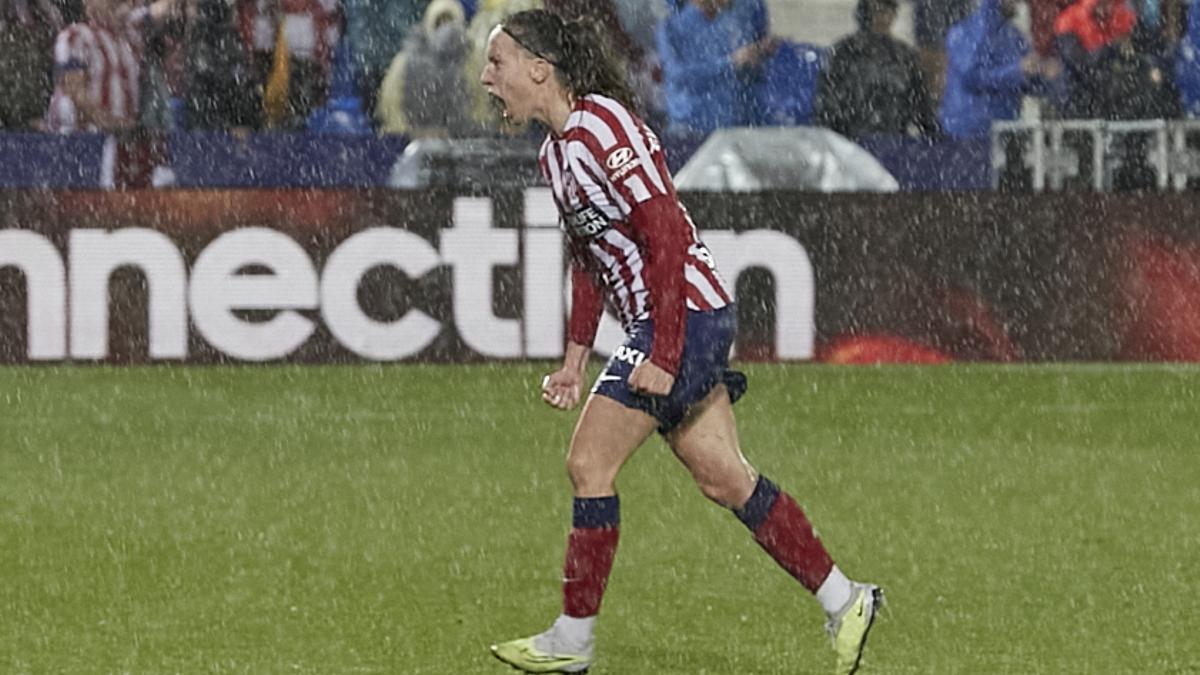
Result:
{"points": [[411, 66]]}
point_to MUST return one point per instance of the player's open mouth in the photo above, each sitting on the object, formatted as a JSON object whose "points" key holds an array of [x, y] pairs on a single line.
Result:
{"points": [[499, 105]]}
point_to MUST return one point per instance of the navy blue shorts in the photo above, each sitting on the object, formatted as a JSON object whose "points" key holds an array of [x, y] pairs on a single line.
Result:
{"points": [[704, 365]]}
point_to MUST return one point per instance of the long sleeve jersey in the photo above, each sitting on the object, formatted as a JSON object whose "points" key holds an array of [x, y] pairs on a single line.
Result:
{"points": [[631, 242]]}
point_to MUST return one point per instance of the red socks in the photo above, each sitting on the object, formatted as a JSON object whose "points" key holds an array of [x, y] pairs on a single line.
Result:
{"points": [[590, 553], [781, 528], [777, 521], [591, 548]]}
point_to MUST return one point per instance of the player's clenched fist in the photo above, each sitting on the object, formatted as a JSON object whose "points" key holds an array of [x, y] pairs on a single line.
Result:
{"points": [[561, 388], [648, 378]]}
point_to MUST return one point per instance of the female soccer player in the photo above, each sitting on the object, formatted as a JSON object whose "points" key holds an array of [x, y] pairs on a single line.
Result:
{"points": [[633, 244]]}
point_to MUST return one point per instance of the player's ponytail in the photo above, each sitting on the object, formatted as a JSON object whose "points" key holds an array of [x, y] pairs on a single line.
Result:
{"points": [[580, 50]]}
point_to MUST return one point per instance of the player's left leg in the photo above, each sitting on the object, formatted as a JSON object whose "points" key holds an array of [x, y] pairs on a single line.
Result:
{"points": [[706, 442]]}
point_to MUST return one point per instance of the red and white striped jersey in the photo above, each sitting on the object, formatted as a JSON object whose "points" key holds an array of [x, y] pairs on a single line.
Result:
{"points": [[111, 60], [626, 229]]}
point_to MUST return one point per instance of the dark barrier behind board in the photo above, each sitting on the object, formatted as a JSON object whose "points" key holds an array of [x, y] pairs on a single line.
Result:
{"points": [[216, 160], [317, 276]]}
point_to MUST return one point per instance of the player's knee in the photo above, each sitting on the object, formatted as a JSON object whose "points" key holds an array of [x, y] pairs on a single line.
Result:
{"points": [[729, 491], [718, 491], [587, 475]]}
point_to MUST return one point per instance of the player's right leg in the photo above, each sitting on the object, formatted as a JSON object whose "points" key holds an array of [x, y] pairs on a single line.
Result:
{"points": [[706, 442], [605, 437]]}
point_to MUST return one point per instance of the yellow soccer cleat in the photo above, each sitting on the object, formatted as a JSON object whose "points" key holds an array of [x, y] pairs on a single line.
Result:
{"points": [[848, 628], [525, 655]]}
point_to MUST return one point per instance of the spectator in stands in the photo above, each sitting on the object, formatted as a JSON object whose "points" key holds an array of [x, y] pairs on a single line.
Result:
{"points": [[789, 84], [873, 83], [1042, 15], [990, 69], [640, 20], [220, 91], [27, 30], [71, 10], [161, 44], [932, 20], [1159, 26], [1087, 26], [98, 67], [1131, 85], [1110, 77], [712, 52], [1187, 65], [292, 44], [377, 30], [425, 92]]}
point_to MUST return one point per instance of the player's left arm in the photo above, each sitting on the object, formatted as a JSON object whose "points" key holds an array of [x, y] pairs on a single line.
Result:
{"points": [[634, 169], [661, 224]]}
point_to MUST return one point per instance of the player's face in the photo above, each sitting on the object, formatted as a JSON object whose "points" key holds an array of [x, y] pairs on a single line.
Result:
{"points": [[506, 76]]}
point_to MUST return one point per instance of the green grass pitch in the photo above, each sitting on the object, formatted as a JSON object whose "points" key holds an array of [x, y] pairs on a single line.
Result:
{"points": [[399, 519]]}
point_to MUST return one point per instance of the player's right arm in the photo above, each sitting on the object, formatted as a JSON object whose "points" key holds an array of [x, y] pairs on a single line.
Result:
{"points": [[563, 388]]}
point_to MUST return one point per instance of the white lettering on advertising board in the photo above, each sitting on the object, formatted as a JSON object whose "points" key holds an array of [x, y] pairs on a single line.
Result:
{"points": [[257, 268]]}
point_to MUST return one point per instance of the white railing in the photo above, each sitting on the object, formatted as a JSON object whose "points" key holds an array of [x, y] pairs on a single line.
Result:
{"points": [[1095, 155]]}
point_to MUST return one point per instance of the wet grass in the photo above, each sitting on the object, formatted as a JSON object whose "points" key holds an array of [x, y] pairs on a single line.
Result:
{"points": [[1028, 519]]}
